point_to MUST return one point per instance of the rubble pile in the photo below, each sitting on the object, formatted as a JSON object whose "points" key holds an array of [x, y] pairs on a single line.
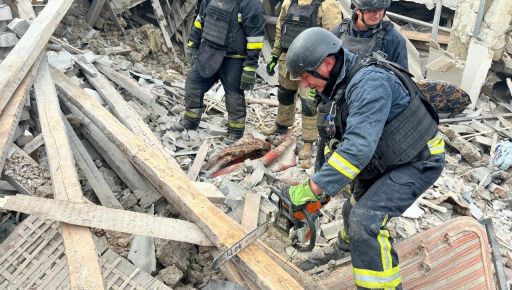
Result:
{"points": [[476, 182]]}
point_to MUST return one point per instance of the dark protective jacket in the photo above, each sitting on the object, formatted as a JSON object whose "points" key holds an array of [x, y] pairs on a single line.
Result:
{"points": [[383, 38], [235, 28], [298, 18], [375, 104]]}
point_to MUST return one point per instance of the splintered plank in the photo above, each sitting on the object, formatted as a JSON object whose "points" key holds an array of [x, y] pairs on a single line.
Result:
{"points": [[193, 171], [174, 185], [10, 116], [91, 172], [83, 265], [21, 58], [95, 216]]}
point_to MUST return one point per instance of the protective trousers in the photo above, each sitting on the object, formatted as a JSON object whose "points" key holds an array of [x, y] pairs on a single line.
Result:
{"points": [[229, 75], [374, 259], [286, 97]]}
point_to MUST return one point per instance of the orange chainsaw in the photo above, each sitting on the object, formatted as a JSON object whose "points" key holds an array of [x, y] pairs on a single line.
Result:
{"points": [[298, 221]]}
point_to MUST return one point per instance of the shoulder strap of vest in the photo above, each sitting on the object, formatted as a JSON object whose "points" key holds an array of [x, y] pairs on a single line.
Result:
{"points": [[405, 78]]}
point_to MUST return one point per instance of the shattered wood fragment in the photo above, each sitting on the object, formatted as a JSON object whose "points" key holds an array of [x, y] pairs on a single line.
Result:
{"points": [[21, 58], [37, 142], [84, 269], [95, 216], [168, 177], [242, 149], [287, 140], [466, 149], [193, 171]]}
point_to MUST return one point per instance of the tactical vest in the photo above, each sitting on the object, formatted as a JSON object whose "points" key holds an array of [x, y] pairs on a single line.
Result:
{"points": [[221, 27], [404, 138], [298, 19], [361, 46]]}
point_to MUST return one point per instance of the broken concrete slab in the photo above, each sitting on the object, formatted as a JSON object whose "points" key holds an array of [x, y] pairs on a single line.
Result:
{"points": [[477, 66], [5, 12], [170, 275], [62, 60], [331, 230], [18, 26], [215, 284], [142, 251], [8, 39], [482, 176]]}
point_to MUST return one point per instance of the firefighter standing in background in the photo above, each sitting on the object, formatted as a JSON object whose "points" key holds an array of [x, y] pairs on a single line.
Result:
{"points": [[295, 17], [224, 44]]}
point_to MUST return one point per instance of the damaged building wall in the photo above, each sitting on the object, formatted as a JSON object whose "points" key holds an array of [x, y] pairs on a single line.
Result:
{"points": [[496, 22]]}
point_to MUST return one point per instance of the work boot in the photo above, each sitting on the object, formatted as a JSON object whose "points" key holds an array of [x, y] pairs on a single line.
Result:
{"points": [[231, 138], [305, 155], [275, 129], [335, 251], [184, 124]]}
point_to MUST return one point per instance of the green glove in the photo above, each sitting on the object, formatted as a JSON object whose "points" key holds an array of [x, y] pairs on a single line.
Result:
{"points": [[301, 194], [248, 78], [271, 65], [192, 54], [312, 94]]}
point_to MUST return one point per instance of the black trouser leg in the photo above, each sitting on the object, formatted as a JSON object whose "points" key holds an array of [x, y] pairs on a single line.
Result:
{"points": [[230, 73], [195, 88]]}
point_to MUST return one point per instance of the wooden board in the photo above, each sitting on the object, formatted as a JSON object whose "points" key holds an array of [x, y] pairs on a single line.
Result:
{"points": [[94, 11], [95, 216], [10, 116], [91, 172], [31, 146], [21, 58], [83, 265], [251, 211], [170, 180]]}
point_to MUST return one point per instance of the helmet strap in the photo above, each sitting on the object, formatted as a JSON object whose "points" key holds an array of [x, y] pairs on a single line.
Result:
{"points": [[318, 76]]}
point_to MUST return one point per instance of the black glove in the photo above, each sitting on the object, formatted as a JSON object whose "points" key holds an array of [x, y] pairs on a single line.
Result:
{"points": [[192, 54], [271, 65], [248, 78]]}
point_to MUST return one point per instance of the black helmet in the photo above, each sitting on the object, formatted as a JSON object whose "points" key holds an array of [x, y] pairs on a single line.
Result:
{"points": [[371, 4], [309, 49]]}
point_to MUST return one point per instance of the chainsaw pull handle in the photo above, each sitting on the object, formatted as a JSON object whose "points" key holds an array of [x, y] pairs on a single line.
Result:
{"points": [[312, 230]]}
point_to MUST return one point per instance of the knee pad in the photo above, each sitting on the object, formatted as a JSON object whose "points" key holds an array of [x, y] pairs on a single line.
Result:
{"points": [[285, 96]]}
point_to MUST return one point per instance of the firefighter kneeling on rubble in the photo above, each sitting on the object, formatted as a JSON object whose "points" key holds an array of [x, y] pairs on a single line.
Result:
{"points": [[389, 149]]}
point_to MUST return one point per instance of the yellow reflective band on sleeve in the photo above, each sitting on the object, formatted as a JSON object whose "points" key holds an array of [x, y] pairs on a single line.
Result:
{"points": [[198, 24], [235, 55], [190, 43], [249, 68], [254, 45], [436, 145], [239, 17], [343, 166], [375, 279]]}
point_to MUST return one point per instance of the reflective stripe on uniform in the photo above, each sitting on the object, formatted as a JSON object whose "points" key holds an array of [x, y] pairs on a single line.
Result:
{"points": [[343, 166], [377, 279], [239, 17], [389, 277], [190, 43], [249, 68], [198, 24], [436, 145], [327, 150], [236, 124], [192, 115], [254, 42], [235, 56]]}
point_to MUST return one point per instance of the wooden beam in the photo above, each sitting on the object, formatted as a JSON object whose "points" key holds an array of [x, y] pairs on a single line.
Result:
{"points": [[193, 171], [159, 13], [168, 178], [123, 111], [100, 217], [31, 146], [424, 36], [116, 159], [10, 116], [251, 211], [84, 269], [25, 10], [21, 58], [94, 11], [91, 172]]}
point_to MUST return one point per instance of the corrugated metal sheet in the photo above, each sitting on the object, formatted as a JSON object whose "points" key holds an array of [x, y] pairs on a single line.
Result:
{"points": [[454, 255]]}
